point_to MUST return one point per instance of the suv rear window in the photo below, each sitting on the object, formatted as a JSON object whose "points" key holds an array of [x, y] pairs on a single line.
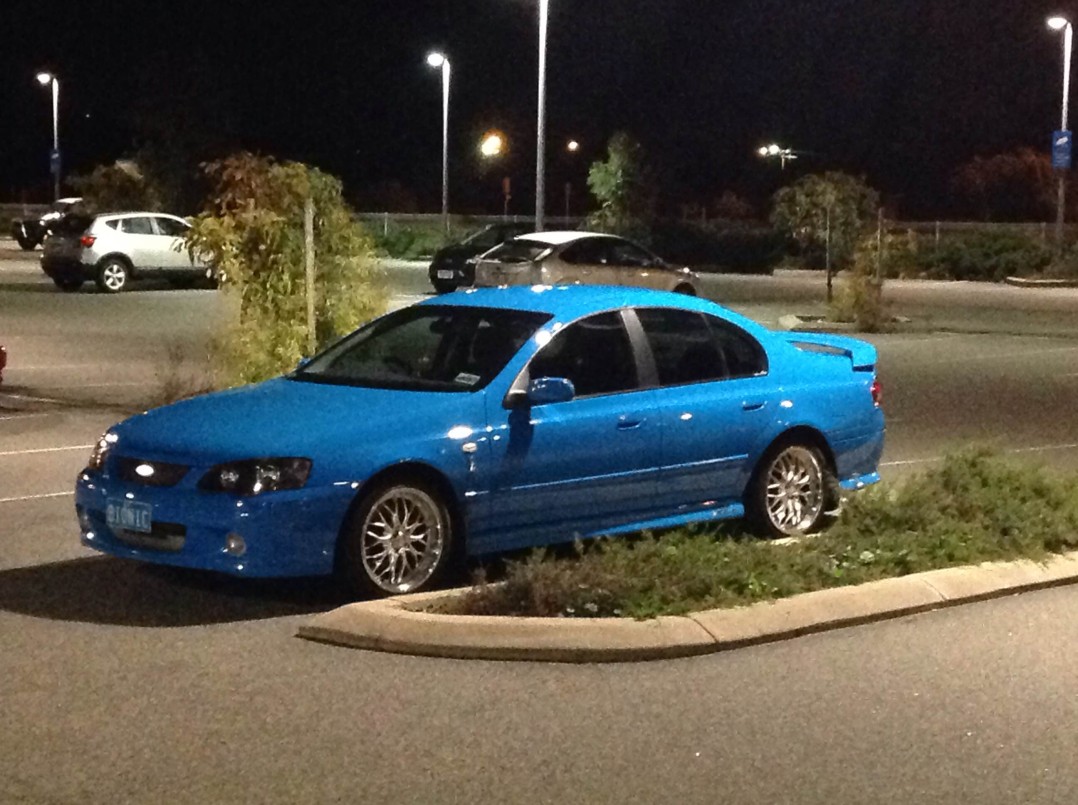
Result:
{"points": [[72, 224]]}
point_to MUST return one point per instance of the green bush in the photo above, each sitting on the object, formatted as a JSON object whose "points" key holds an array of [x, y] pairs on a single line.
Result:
{"points": [[984, 256], [973, 507], [411, 242], [719, 246]]}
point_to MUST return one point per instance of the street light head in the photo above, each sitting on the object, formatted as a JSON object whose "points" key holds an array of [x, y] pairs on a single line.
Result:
{"points": [[773, 150], [436, 59], [572, 146], [492, 144], [44, 78], [762, 150], [1058, 23]]}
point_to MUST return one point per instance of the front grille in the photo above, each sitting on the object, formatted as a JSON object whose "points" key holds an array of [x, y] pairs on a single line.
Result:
{"points": [[162, 473]]}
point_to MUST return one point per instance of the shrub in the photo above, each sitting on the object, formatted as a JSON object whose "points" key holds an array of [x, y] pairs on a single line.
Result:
{"points": [[410, 242], [720, 246], [984, 256], [252, 231], [825, 211], [973, 507]]}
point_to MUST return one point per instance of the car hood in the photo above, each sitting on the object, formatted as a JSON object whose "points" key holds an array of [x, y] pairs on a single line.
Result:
{"points": [[286, 418]]}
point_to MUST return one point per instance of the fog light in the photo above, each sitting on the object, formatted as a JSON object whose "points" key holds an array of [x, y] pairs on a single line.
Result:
{"points": [[235, 545], [85, 523]]}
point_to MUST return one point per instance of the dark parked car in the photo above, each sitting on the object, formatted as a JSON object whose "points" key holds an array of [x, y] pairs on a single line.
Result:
{"points": [[451, 268], [491, 420], [30, 232]]}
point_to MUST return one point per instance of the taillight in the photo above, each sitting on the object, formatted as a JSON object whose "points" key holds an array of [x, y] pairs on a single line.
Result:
{"points": [[877, 392], [87, 241]]}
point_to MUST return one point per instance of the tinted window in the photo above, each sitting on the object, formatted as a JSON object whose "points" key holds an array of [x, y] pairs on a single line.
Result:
{"points": [[594, 353], [624, 253], [171, 227], [431, 348], [743, 354], [683, 346], [136, 226], [517, 251], [590, 251]]}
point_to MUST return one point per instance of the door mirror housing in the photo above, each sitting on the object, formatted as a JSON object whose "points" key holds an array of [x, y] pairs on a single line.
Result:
{"points": [[545, 390]]}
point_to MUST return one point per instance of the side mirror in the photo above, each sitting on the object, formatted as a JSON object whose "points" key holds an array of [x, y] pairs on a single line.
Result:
{"points": [[544, 390]]}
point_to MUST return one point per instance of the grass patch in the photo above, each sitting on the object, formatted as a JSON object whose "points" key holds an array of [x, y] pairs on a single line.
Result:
{"points": [[974, 507]]}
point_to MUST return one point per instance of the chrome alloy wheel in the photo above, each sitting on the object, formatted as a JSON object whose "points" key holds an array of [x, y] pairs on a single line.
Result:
{"points": [[795, 490], [402, 539]]}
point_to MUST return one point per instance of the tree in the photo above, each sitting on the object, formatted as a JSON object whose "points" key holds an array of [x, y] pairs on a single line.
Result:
{"points": [[825, 213], [621, 185], [120, 186], [1015, 186], [252, 229]]}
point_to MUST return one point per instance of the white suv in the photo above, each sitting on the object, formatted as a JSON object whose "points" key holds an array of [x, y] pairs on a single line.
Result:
{"points": [[113, 248]]}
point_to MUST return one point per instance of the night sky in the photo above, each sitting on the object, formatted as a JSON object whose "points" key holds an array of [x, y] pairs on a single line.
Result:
{"points": [[900, 91]]}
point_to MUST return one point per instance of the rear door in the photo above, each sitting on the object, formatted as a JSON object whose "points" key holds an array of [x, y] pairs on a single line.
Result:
{"points": [[716, 401], [140, 242]]}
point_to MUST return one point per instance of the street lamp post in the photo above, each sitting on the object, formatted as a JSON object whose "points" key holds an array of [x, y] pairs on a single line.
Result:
{"points": [[572, 147], [1062, 24], [436, 59], [54, 158], [776, 150], [540, 121]]}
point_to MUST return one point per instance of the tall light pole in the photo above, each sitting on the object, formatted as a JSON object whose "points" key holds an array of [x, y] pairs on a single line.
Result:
{"points": [[776, 150], [54, 158], [540, 120], [436, 59], [1063, 24]]}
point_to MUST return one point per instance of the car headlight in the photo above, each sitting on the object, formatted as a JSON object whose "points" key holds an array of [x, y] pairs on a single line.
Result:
{"points": [[101, 450], [257, 475]]}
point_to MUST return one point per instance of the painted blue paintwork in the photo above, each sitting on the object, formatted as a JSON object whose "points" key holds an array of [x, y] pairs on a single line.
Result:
{"points": [[607, 464]]}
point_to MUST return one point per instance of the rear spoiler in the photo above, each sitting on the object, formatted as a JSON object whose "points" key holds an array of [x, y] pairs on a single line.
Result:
{"points": [[861, 353]]}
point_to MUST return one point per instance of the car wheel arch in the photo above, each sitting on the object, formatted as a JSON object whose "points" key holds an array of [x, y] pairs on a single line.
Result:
{"points": [[798, 434], [121, 257], [414, 471]]}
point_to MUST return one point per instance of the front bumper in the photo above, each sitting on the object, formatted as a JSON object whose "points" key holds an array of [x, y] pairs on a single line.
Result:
{"points": [[289, 533]]}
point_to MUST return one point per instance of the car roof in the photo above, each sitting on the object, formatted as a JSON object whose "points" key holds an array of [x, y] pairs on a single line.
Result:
{"points": [[559, 238], [129, 213], [569, 302]]}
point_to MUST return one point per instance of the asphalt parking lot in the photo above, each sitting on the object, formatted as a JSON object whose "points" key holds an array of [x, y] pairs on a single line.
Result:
{"points": [[127, 683]]}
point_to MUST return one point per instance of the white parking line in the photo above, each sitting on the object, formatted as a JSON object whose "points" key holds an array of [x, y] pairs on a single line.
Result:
{"points": [[25, 416], [36, 497], [46, 450], [1046, 448]]}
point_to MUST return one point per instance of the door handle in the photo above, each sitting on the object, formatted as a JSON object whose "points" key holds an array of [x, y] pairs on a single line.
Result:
{"points": [[627, 423], [749, 405]]}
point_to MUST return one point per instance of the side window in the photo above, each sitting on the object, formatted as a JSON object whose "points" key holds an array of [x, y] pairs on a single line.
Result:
{"points": [[171, 227], [623, 253], [594, 353], [113, 224], [682, 345], [136, 226], [583, 252], [743, 354]]}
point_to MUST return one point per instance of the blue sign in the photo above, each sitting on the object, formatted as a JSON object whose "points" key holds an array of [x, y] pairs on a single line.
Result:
{"points": [[54, 161], [1061, 150]]}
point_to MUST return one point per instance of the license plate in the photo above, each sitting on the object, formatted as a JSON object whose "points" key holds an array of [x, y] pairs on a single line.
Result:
{"points": [[445, 274], [129, 515]]}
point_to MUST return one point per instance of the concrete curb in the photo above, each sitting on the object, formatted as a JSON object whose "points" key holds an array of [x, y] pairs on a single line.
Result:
{"points": [[403, 625]]}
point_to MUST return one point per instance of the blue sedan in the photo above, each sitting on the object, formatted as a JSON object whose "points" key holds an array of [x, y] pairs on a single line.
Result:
{"points": [[489, 420]]}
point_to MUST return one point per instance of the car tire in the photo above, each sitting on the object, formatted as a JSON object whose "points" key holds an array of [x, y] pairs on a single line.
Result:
{"points": [[443, 287], [27, 244], [113, 274], [686, 289], [792, 491], [68, 285], [378, 554]]}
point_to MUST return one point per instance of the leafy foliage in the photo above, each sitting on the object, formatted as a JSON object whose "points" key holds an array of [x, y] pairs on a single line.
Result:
{"points": [[1015, 186], [816, 204], [120, 186], [985, 256], [734, 246], [252, 232], [622, 187], [973, 507]]}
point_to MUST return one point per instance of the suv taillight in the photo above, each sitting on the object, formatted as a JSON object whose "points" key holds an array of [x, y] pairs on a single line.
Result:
{"points": [[86, 241], [877, 392]]}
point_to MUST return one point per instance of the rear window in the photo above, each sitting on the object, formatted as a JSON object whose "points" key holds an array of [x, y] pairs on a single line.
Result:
{"points": [[518, 251]]}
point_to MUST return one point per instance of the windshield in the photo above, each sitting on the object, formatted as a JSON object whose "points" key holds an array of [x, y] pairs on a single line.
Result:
{"points": [[518, 251], [426, 348]]}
